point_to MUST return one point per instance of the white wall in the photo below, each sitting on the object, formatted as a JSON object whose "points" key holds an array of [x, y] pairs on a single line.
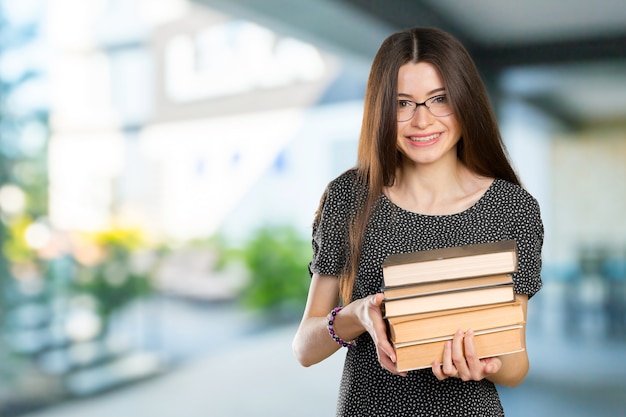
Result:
{"points": [[528, 134]]}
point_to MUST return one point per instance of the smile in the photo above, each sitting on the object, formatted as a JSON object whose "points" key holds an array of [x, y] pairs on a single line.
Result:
{"points": [[425, 138]]}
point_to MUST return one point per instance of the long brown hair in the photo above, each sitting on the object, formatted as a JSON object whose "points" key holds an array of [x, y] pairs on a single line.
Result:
{"points": [[480, 148]]}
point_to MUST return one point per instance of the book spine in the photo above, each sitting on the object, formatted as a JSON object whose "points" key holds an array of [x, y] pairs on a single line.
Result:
{"points": [[496, 343], [462, 283], [419, 329], [442, 270], [463, 251], [448, 301], [448, 291]]}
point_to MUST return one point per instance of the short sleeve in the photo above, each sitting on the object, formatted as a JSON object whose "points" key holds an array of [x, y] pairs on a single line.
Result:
{"points": [[527, 229], [330, 228]]}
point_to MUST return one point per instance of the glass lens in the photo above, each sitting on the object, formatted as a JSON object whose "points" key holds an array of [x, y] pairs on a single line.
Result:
{"points": [[439, 106], [406, 109]]}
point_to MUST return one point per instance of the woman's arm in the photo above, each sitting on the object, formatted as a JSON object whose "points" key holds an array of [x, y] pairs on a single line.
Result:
{"points": [[312, 342]]}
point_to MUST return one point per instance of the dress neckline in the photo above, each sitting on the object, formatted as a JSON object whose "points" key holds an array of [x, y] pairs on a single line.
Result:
{"points": [[467, 210]]}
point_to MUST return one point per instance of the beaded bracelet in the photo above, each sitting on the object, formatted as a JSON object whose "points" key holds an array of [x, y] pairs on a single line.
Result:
{"points": [[331, 329]]}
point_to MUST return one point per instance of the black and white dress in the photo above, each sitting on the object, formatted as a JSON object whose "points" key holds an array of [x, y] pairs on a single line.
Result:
{"points": [[505, 211]]}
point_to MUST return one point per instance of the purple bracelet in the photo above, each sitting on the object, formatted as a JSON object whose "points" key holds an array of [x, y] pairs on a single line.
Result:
{"points": [[331, 329]]}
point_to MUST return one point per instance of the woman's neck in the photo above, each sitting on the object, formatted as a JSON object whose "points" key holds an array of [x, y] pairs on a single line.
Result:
{"points": [[437, 190]]}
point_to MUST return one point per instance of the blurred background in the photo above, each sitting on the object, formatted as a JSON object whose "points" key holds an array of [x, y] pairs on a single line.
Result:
{"points": [[161, 161]]}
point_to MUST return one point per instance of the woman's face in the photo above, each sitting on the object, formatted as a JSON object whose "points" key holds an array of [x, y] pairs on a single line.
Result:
{"points": [[425, 138]]}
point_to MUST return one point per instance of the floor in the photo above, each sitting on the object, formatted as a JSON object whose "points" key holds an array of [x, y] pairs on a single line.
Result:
{"points": [[238, 372]]}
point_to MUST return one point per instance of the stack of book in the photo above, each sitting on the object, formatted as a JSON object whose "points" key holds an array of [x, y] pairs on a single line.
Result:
{"points": [[429, 295]]}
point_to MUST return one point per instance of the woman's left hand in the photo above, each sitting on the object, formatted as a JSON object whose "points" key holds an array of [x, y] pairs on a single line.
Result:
{"points": [[461, 361]]}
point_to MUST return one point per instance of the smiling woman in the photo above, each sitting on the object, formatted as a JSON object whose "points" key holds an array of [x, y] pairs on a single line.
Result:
{"points": [[436, 132], [425, 178]]}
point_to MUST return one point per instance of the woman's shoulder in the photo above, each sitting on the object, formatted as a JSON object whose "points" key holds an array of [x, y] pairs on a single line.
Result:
{"points": [[346, 180], [338, 201], [516, 194], [344, 187]]}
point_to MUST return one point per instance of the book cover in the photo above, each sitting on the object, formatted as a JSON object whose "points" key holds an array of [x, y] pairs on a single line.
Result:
{"points": [[428, 326], [450, 263], [442, 286], [490, 342], [448, 300]]}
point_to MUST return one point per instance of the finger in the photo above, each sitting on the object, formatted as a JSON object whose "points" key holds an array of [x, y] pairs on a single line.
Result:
{"points": [[379, 328], [438, 371], [448, 367], [378, 332], [491, 365], [385, 347], [471, 357], [458, 355], [391, 367], [387, 363], [376, 300]]}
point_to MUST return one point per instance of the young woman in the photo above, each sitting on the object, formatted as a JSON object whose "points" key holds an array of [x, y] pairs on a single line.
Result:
{"points": [[431, 172]]}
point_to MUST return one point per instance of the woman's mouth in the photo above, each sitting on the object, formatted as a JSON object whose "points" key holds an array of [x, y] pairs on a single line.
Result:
{"points": [[425, 138]]}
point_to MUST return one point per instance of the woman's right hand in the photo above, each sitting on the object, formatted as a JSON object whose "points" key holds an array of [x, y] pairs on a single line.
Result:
{"points": [[371, 316], [312, 343]]}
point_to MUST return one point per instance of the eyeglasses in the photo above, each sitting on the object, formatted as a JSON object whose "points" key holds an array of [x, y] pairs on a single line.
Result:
{"points": [[438, 106]]}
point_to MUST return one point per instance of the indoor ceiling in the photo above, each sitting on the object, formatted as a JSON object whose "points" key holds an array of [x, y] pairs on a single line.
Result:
{"points": [[566, 56]]}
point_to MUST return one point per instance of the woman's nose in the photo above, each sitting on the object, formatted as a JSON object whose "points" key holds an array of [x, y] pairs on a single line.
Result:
{"points": [[422, 117]]}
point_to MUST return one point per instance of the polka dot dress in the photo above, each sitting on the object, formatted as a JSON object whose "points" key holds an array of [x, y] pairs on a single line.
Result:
{"points": [[505, 211]]}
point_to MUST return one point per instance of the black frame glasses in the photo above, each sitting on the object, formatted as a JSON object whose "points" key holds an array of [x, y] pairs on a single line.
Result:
{"points": [[438, 106]]}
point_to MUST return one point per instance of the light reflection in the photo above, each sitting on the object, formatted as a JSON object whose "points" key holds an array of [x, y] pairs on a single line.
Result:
{"points": [[82, 324], [37, 235], [12, 199]]}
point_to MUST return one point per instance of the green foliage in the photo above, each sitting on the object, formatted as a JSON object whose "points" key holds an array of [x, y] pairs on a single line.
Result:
{"points": [[14, 246], [112, 280], [276, 258]]}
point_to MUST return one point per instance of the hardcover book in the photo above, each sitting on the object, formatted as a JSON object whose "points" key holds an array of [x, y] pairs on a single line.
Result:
{"points": [[490, 342], [450, 263], [447, 300], [440, 324]]}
